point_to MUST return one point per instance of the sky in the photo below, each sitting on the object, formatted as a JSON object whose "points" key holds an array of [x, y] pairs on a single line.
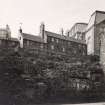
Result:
{"points": [[55, 14]]}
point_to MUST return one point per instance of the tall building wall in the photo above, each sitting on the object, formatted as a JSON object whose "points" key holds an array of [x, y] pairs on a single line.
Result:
{"points": [[97, 40], [92, 33], [101, 34], [102, 51], [90, 41], [100, 16]]}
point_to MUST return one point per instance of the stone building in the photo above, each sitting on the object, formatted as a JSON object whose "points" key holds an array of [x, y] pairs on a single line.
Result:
{"points": [[78, 31], [89, 32], [92, 30], [61, 44], [31, 44], [101, 34], [50, 42], [10, 43], [5, 32], [6, 41]]}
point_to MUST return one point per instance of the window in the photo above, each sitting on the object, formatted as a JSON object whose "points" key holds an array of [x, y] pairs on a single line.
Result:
{"points": [[52, 39], [57, 40], [41, 46], [63, 49], [84, 47], [27, 42], [69, 43], [13, 43], [80, 46], [83, 53], [102, 29], [75, 51], [52, 47]]}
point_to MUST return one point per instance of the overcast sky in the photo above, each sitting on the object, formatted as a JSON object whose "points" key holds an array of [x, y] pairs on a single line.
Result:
{"points": [[54, 13]]}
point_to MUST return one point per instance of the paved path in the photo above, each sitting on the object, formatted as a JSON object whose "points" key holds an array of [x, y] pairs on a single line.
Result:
{"points": [[84, 104], [89, 104], [103, 103]]}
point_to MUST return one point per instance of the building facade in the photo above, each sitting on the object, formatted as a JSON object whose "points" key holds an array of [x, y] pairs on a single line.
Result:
{"points": [[5, 32], [78, 31], [101, 33], [49, 42], [81, 40], [64, 44], [92, 33], [6, 41]]}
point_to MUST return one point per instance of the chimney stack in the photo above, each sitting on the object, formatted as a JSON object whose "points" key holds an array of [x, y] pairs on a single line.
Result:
{"points": [[62, 31], [8, 31], [20, 36], [42, 29]]}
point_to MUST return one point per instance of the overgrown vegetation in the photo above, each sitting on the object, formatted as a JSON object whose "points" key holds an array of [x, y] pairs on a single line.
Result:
{"points": [[42, 78]]}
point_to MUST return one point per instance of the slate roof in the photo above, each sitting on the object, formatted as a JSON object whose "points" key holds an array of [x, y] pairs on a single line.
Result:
{"points": [[14, 39], [11, 39], [32, 37], [64, 37]]}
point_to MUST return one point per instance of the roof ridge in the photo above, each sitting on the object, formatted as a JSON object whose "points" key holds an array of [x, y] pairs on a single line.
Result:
{"points": [[29, 34], [53, 32]]}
